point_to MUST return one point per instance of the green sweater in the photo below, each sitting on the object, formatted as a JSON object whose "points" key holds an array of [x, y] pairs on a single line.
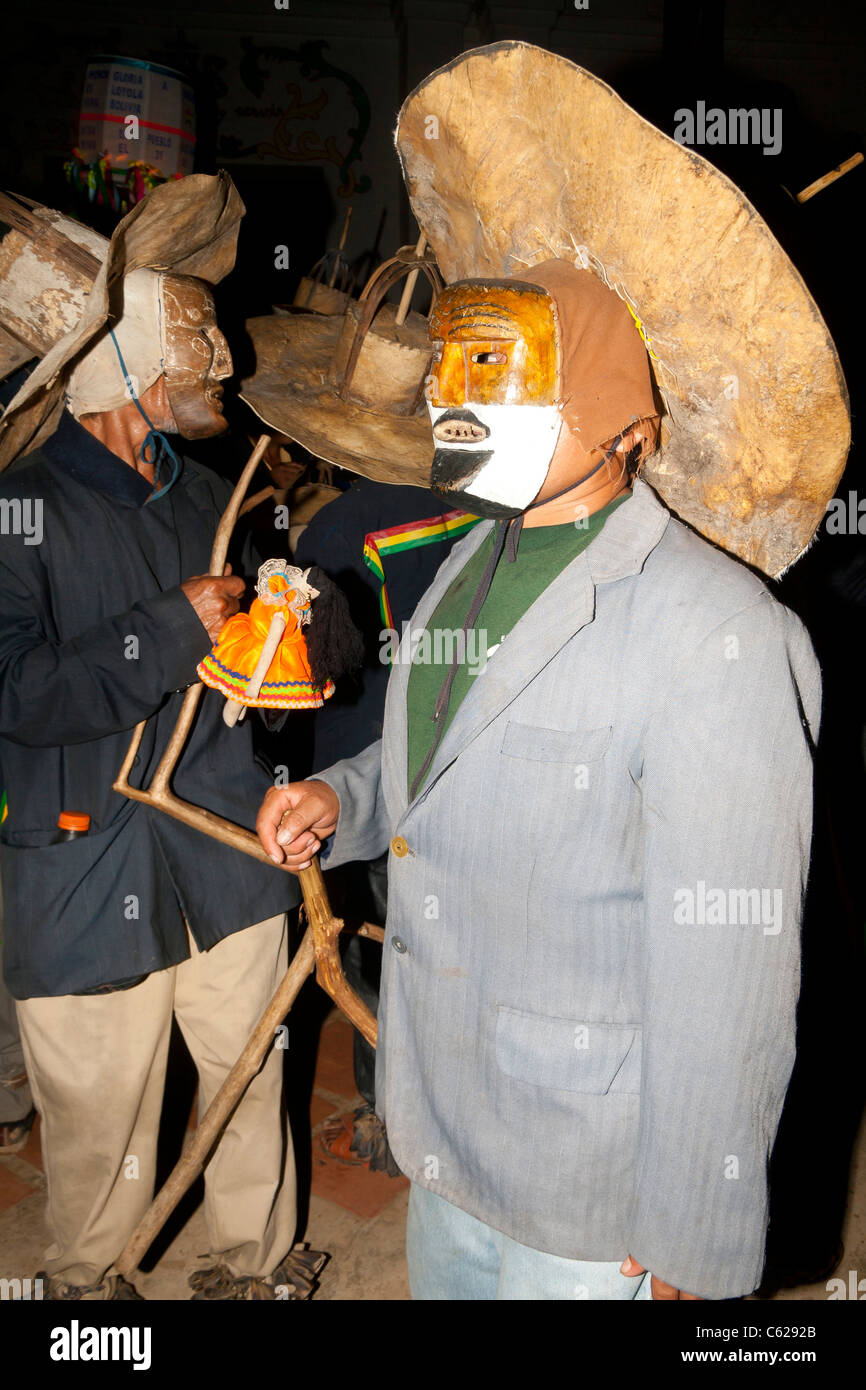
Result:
{"points": [[543, 552]]}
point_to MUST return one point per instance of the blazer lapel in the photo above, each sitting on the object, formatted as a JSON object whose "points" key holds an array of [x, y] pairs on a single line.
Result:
{"points": [[395, 744], [566, 606]]}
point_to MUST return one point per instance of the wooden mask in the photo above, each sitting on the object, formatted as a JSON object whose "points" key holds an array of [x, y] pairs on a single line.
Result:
{"points": [[196, 356], [496, 345], [493, 394]]}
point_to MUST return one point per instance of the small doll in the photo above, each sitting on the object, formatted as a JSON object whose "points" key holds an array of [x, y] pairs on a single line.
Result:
{"points": [[261, 658]]}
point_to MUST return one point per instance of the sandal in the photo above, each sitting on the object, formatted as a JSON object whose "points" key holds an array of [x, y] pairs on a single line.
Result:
{"points": [[113, 1288], [294, 1280]]}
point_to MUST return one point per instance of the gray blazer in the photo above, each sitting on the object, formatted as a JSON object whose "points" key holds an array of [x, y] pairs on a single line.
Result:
{"points": [[591, 962]]}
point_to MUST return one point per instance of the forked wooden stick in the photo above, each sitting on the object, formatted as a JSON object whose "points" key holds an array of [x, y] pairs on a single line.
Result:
{"points": [[325, 927], [339, 253], [196, 1154], [256, 499], [318, 948]]}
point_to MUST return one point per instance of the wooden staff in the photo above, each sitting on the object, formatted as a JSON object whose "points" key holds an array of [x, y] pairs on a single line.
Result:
{"points": [[342, 244], [411, 281], [230, 1093], [826, 179]]}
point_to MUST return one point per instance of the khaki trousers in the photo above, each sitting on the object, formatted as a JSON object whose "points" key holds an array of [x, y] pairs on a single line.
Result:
{"points": [[97, 1068]]}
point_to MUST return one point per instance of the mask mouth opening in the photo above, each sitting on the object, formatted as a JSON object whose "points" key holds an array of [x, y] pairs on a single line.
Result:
{"points": [[460, 426]]}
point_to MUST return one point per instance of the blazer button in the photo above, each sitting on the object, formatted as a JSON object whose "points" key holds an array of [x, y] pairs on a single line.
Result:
{"points": [[399, 945], [399, 846]]}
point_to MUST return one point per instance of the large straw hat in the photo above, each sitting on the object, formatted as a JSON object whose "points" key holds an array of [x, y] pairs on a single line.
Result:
{"points": [[513, 155], [350, 387], [58, 282]]}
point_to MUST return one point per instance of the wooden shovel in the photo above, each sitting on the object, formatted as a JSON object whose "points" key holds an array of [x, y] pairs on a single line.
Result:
{"points": [[319, 948]]}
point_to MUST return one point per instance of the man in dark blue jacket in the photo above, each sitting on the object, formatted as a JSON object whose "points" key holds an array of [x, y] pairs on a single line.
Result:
{"points": [[106, 607]]}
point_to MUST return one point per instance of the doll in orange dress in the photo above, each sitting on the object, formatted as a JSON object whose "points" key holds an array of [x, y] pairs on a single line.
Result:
{"points": [[260, 658]]}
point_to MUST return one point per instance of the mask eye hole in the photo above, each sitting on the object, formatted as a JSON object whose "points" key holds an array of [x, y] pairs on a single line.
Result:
{"points": [[489, 359]]}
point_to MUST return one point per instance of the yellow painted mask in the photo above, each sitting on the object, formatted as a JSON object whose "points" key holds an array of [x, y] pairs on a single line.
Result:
{"points": [[493, 393]]}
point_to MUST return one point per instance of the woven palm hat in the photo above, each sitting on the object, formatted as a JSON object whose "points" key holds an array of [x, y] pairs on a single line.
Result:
{"points": [[513, 156], [59, 282]]}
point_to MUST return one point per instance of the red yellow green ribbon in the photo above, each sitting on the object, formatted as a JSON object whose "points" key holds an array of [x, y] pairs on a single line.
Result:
{"points": [[379, 544]]}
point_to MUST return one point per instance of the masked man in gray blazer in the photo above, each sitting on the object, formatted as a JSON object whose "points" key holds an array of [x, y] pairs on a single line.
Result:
{"points": [[595, 782]]}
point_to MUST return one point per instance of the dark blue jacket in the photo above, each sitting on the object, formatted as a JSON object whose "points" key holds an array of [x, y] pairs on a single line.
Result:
{"points": [[96, 635]]}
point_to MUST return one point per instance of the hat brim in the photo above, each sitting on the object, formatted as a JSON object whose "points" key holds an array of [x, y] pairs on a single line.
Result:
{"points": [[537, 158], [291, 391]]}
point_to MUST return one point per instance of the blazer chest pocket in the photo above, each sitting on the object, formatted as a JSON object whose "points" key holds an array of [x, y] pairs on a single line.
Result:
{"points": [[564, 1054], [555, 745]]}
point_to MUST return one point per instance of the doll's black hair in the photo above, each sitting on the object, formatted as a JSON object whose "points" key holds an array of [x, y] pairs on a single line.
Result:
{"points": [[334, 644]]}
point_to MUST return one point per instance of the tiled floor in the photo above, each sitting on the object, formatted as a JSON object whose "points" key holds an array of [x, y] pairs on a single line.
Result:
{"points": [[355, 1188], [357, 1216]]}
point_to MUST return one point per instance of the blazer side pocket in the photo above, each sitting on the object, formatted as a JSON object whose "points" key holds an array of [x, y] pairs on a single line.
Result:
{"points": [[564, 1054]]}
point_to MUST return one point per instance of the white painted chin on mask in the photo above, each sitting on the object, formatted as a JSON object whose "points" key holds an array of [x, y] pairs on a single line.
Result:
{"points": [[492, 460]]}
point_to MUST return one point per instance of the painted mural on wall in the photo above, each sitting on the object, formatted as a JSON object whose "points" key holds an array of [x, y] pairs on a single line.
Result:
{"points": [[294, 104]]}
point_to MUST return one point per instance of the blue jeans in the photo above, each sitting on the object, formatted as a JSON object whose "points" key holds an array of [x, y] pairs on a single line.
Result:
{"points": [[454, 1256]]}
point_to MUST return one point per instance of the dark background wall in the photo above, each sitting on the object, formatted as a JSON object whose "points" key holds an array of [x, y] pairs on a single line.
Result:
{"points": [[300, 103]]}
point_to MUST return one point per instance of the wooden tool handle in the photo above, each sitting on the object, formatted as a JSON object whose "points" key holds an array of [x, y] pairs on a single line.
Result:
{"points": [[230, 515], [339, 251]]}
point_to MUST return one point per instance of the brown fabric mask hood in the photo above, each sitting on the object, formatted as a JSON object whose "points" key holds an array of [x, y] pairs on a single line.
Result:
{"points": [[605, 379]]}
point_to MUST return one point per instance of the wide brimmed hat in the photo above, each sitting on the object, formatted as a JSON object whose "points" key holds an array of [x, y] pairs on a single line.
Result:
{"points": [[58, 283], [350, 387], [513, 156]]}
